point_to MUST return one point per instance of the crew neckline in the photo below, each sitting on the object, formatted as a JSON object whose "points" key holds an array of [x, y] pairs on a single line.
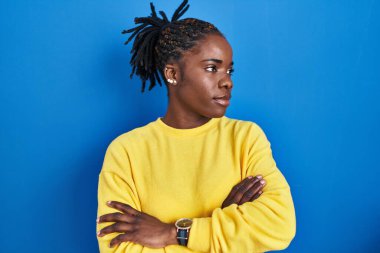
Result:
{"points": [[187, 131]]}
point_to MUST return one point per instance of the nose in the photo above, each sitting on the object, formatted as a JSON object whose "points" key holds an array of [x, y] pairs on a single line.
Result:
{"points": [[226, 82]]}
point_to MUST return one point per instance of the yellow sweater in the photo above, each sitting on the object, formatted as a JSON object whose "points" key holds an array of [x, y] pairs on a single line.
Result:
{"points": [[174, 173]]}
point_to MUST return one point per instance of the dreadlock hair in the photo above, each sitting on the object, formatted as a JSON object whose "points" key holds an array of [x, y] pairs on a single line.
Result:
{"points": [[158, 41]]}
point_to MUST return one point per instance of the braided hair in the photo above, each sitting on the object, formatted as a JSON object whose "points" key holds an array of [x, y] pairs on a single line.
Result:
{"points": [[159, 41]]}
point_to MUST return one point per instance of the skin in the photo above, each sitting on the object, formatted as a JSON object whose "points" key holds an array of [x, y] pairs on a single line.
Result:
{"points": [[202, 74], [191, 102]]}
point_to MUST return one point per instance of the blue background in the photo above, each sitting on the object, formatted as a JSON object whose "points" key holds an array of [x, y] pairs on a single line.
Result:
{"points": [[307, 72]]}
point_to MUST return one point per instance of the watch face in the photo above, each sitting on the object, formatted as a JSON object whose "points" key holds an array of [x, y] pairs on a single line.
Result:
{"points": [[184, 223]]}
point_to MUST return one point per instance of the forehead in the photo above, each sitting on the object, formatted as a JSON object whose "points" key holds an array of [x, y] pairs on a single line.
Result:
{"points": [[211, 47]]}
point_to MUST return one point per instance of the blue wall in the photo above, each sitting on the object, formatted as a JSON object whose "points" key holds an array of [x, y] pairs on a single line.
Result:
{"points": [[307, 72]]}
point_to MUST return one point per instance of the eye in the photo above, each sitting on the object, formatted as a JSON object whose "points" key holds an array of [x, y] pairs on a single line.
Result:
{"points": [[211, 68], [214, 69]]}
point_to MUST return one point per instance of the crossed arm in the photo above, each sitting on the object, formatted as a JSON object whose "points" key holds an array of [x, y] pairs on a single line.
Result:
{"points": [[252, 218], [146, 230]]}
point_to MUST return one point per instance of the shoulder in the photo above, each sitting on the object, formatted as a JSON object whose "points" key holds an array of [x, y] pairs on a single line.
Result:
{"points": [[244, 131], [133, 136], [241, 126]]}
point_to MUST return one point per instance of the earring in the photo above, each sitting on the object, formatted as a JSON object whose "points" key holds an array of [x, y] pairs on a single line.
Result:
{"points": [[172, 81]]}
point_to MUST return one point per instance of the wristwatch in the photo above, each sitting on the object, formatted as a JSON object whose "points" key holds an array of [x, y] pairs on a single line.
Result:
{"points": [[183, 229]]}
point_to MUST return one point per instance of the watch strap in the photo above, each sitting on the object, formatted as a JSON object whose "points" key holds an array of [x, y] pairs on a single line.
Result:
{"points": [[182, 236]]}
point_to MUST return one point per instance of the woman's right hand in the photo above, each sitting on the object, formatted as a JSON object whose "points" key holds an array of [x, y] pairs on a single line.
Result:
{"points": [[247, 190]]}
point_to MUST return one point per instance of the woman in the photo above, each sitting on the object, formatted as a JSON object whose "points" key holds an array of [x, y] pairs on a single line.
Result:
{"points": [[193, 180]]}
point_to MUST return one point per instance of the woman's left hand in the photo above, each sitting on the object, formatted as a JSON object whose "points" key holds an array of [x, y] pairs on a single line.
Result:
{"points": [[137, 227]]}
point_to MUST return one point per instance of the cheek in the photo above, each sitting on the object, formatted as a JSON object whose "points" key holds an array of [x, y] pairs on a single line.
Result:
{"points": [[205, 84], [204, 91], [199, 86]]}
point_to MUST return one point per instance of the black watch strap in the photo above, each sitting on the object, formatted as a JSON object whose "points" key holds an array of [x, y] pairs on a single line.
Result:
{"points": [[183, 226], [182, 236]]}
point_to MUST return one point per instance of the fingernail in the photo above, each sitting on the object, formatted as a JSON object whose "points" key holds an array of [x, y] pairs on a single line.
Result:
{"points": [[108, 202], [97, 220], [262, 181], [259, 177], [98, 233], [250, 177]]}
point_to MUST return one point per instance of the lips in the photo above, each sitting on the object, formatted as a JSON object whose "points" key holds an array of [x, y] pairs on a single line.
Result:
{"points": [[226, 96], [223, 100]]}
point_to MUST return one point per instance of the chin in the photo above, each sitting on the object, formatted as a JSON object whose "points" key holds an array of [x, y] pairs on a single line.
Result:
{"points": [[217, 114]]}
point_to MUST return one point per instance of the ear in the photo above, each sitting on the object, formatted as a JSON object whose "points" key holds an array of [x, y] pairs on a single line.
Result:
{"points": [[171, 73]]}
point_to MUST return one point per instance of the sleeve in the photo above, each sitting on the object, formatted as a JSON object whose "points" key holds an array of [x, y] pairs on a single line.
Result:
{"points": [[116, 183], [265, 224]]}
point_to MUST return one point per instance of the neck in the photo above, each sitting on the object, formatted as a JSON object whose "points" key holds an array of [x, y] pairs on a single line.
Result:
{"points": [[181, 120]]}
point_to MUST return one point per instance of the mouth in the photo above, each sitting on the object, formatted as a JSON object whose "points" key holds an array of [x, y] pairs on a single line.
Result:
{"points": [[223, 100]]}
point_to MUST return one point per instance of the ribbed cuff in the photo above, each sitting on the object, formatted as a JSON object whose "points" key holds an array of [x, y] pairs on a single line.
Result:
{"points": [[200, 235]]}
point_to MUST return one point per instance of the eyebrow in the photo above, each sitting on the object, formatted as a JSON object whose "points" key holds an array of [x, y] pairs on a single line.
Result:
{"points": [[216, 60]]}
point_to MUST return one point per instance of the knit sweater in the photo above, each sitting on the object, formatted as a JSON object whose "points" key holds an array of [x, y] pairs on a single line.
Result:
{"points": [[172, 173]]}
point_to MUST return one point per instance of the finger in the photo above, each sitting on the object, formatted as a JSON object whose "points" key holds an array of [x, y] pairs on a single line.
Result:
{"points": [[263, 183], [238, 186], [118, 227], [123, 207], [256, 196], [231, 197], [116, 217], [121, 238], [252, 191], [229, 200], [239, 195]]}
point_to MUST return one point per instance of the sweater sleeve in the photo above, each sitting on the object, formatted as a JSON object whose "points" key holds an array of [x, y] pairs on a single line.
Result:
{"points": [[116, 184], [265, 224]]}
